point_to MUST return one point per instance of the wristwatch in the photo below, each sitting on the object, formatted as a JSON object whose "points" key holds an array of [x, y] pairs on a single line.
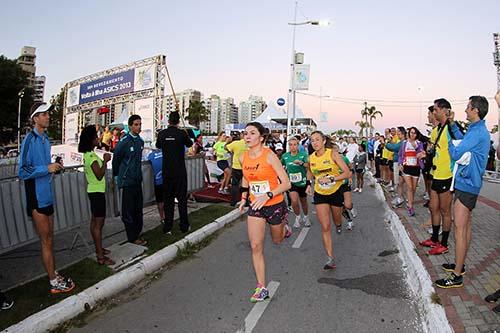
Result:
{"points": [[270, 194]]}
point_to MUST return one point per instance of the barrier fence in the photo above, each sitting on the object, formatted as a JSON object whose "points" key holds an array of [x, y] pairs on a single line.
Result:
{"points": [[72, 207]]}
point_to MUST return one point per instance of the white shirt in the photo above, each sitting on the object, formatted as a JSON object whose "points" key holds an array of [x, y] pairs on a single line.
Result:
{"points": [[352, 150]]}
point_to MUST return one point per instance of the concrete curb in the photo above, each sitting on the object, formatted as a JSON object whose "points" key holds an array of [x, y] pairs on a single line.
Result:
{"points": [[420, 283], [72, 306]]}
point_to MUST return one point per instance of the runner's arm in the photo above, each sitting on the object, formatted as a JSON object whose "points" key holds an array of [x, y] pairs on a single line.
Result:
{"points": [[285, 184], [346, 172]]}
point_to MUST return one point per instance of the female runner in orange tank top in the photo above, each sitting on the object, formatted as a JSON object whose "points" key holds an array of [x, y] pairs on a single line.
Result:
{"points": [[264, 181]]}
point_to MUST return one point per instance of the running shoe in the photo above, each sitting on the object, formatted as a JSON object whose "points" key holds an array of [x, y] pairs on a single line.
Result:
{"points": [[330, 264], [339, 229], [397, 202], [360, 190], [451, 267], [260, 294], [451, 281], [5, 303], [345, 213], [426, 203], [425, 196], [439, 249], [429, 243], [349, 225], [411, 212], [297, 222], [307, 222], [288, 230], [493, 297], [61, 285], [390, 189], [355, 190]]}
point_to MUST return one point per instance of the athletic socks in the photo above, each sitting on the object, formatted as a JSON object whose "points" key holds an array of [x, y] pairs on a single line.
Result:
{"points": [[444, 238], [435, 233]]}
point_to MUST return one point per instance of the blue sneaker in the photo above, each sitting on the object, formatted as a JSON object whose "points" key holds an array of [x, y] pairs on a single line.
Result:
{"points": [[260, 294]]}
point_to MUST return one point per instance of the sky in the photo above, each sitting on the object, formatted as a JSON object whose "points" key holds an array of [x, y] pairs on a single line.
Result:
{"points": [[381, 51]]}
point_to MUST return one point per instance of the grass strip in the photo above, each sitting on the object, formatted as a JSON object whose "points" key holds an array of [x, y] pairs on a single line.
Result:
{"points": [[34, 296]]}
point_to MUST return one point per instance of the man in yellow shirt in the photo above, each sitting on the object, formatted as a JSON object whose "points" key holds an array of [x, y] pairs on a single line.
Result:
{"points": [[441, 170], [236, 148]]}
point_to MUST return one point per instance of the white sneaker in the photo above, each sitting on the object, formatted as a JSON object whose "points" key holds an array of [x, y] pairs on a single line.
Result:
{"points": [[354, 213], [426, 196], [360, 190], [349, 225], [355, 190], [297, 222], [307, 222], [390, 189], [398, 202]]}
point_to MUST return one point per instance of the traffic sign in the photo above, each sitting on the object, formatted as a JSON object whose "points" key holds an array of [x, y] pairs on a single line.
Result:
{"points": [[280, 101]]}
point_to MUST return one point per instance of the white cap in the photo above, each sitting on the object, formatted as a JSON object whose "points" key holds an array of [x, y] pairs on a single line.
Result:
{"points": [[44, 107]]}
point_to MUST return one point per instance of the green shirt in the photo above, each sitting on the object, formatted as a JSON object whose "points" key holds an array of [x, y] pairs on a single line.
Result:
{"points": [[220, 151], [94, 185], [296, 172]]}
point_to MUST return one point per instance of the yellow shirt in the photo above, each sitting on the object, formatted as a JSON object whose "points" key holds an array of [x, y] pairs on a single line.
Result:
{"points": [[106, 138], [386, 153], [237, 148], [442, 159], [322, 166]]}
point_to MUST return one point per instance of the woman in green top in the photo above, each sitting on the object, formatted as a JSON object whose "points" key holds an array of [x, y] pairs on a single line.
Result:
{"points": [[296, 164], [95, 170], [222, 161]]}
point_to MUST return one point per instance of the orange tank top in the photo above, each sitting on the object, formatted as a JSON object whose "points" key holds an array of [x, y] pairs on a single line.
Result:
{"points": [[261, 176]]}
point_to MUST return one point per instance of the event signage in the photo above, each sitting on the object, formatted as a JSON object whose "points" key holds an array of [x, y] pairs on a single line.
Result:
{"points": [[301, 77], [109, 86]]}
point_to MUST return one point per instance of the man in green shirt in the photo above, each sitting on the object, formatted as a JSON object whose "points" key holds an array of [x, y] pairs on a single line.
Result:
{"points": [[296, 164]]}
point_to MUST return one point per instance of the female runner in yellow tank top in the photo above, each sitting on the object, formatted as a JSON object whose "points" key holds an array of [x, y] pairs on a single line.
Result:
{"points": [[264, 182], [328, 170]]}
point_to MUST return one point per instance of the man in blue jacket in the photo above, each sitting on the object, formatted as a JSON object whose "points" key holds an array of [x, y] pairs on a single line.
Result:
{"points": [[127, 171], [36, 170], [470, 156]]}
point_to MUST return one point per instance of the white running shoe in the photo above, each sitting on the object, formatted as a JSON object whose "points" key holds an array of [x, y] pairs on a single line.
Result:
{"points": [[307, 222], [349, 225], [426, 196], [360, 190], [390, 189], [297, 222], [355, 190]]}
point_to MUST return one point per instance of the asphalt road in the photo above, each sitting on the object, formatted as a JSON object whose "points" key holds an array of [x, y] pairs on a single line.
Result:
{"points": [[210, 292]]}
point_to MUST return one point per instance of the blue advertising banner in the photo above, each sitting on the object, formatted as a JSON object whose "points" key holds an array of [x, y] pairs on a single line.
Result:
{"points": [[109, 86]]}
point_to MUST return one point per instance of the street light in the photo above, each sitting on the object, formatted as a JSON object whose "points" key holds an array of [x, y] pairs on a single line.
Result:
{"points": [[21, 95], [291, 91]]}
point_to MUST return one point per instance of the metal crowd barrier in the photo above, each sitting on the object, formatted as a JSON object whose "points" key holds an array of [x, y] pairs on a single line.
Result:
{"points": [[72, 207]]}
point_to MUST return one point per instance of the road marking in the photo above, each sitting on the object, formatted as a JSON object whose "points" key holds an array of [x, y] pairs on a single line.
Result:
{"points": [[258, 309], [300, 238]]}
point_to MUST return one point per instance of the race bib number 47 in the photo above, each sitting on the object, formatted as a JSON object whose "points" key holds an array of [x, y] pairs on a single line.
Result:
{"points": [[257, 188]]}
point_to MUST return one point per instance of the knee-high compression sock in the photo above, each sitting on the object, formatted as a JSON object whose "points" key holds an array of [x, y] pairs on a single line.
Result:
{"points": [[435, 233]]}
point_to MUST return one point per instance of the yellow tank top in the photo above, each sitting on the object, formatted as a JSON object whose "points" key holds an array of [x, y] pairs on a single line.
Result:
{"points": [[322, 166]]}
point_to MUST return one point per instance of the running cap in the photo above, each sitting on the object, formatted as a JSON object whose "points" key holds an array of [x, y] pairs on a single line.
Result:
{"points": [[41, 108]]}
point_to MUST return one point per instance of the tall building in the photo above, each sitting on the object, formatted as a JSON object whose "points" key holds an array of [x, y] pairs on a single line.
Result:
{"points": [[27, 61], [39, 88], [213, 105], [228, 113], [252, 108], [184, 98]]}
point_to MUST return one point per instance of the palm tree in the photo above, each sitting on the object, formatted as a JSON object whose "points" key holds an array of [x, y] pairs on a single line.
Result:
{"points": [[372, 115], [364, 116], [363, 125], [196, 113]]}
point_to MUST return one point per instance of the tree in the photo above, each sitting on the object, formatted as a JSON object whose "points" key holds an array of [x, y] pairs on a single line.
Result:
{"points": [[363, 126], [364, 116], [372, 115], [197, 112], [12, 80], [343, 132], [494, 129], [56, 117]]}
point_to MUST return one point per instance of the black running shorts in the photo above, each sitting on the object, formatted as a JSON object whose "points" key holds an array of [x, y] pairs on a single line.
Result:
{"points": [[159, 193], [97, 204], [335, 199], [441, 185], [467, 199], [274, 214], [301, 190]]}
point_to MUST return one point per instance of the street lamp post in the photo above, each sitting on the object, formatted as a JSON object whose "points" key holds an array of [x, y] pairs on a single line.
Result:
{"points": [[291, 90], [21, 95]]}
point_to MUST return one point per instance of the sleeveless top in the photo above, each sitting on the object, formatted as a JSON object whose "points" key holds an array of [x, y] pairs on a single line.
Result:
{"points": [[322, 166], [410, 155], [261, 176]]}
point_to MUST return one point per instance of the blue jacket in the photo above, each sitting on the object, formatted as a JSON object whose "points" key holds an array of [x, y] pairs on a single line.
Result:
{"points": [[127, 161], [33, 167], [394, 147], [469, 178]]}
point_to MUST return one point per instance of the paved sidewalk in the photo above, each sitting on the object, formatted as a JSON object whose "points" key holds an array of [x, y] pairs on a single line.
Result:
{"points": [[465, 307]]}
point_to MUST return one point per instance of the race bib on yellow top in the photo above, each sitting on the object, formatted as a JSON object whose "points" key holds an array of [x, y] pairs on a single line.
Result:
{"points": [[296, 177], [258, 188], [327, 186]]}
